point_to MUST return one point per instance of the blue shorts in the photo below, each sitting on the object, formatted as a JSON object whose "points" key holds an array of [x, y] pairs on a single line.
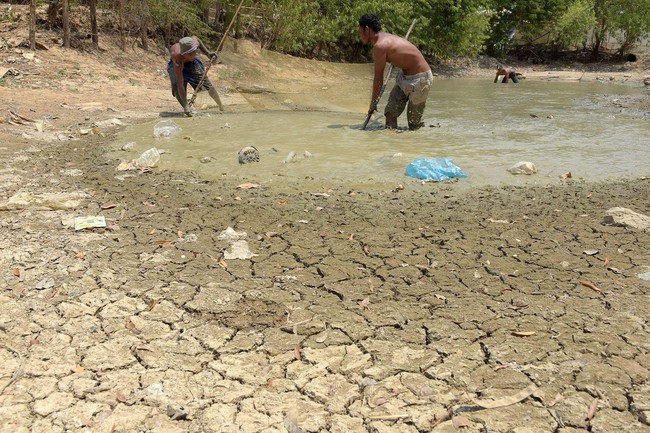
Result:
{"points": [[192, 73]]}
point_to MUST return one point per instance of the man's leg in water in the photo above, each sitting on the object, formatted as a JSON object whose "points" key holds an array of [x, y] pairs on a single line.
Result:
{"points": [[414, 115], [417, 102], [214, 95], [395, 106], [195, 71]]}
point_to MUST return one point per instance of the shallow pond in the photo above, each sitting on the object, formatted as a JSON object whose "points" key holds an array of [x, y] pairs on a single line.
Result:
{"points": [[484, 128]]}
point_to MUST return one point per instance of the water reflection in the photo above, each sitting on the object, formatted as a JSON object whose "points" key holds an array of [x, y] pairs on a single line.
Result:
{"points": [[559, 126]]}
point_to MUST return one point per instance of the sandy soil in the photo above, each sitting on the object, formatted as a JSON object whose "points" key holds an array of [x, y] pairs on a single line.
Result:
{"points": [[501, 309]]}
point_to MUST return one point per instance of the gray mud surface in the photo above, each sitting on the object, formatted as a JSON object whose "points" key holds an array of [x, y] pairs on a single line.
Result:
{"points": [[358, 310]]}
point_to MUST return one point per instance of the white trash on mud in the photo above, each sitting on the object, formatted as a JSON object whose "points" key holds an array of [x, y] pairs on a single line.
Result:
{"points": [[165, 128], [149, 158], [238, 246], [523, 167], [60, 201]]}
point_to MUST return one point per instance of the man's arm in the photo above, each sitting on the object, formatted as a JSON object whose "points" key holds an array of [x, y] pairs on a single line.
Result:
{"points": [[204, 49], [180, 86], [496, 77], [378, 81]]}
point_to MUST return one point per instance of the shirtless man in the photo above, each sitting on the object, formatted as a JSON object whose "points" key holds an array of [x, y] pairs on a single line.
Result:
{"points": [[507, 72], [413, 82], [185, 67]]}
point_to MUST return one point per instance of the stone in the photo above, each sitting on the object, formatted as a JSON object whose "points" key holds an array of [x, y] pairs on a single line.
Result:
{"points": [[623, 217]]}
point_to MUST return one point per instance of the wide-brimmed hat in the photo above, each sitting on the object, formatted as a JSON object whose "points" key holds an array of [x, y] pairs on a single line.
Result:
{"points": [[187, 45]]}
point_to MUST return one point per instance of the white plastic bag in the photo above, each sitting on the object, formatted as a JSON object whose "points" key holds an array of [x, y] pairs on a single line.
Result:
{"points": [[165, 128], [149, 158], [523, 167]]}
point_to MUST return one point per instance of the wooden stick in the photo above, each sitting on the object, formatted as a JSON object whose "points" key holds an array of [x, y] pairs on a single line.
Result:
{"points": [[388, 417]]}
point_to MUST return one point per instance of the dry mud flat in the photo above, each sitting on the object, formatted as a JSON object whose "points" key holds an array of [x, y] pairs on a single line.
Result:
{"points": [[415, 310]]}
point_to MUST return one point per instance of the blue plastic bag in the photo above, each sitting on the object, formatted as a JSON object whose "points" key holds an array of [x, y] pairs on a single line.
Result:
{"points": [[437, 169]]}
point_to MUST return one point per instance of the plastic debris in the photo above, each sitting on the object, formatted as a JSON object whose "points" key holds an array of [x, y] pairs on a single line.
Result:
{"points": [[191, 237], [523, 167], [45, 283], [291, 157], [125, 166], [165, 128], [89, 222], [107, 123], [48, 201], [231, 235], [438, 169], [238, 250], [238, 247], [249, 154], [149, 158]]}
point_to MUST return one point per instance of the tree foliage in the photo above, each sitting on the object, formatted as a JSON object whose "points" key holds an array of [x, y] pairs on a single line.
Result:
{"points": [[328, 28], [572, 26], [457, 27], [631, 21]]}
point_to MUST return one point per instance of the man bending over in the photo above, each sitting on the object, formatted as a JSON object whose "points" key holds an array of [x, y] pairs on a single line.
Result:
{"points": [[185, 67], [413, 82], [506, 73]]}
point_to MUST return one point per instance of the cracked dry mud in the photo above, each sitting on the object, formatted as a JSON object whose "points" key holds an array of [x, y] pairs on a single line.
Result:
{"points": [[372, 310], [362, 311]]}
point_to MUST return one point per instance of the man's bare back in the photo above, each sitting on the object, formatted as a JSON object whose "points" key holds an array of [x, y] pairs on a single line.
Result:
{"points": [[400, 53]]}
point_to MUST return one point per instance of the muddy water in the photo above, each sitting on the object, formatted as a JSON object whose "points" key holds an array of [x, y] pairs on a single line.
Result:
{"points": [[485, 128]]}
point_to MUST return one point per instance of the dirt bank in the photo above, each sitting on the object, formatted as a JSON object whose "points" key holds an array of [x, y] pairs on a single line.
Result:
{"points": [[351, 311]]}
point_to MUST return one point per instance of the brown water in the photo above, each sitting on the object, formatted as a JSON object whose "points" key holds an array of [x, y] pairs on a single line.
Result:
{"points": [[485, 128]]}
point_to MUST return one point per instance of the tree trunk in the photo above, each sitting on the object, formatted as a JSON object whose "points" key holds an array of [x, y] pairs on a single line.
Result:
{"points": [[219, 17], [143, 25], [598, 39], [93, 23], [32, 25], [601, 27], [206, 15], [66, 24], [121, 23], [627, 45], [53, 12]]}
